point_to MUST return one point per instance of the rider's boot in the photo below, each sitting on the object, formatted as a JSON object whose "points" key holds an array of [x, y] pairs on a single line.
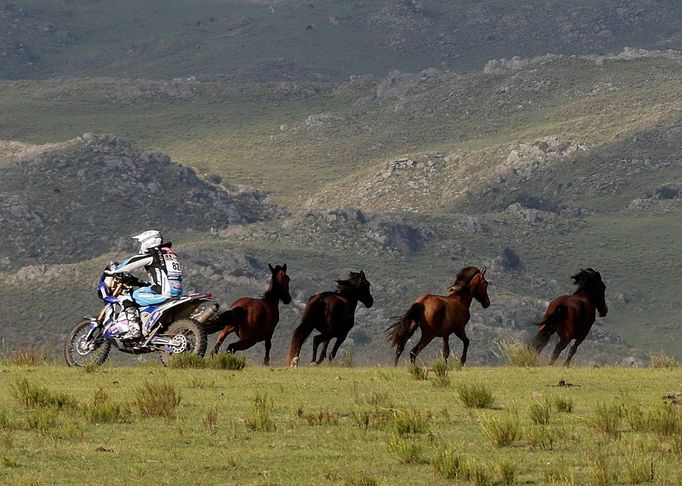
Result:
{"points": [[134, 323]]}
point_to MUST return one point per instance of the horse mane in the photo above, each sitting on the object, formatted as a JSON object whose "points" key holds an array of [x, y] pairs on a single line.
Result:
{"points": [[584, 277], [462, 279], [351, 284]]}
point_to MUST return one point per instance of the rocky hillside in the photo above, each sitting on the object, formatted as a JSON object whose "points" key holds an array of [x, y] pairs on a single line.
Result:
{"points": [[88, 196]]}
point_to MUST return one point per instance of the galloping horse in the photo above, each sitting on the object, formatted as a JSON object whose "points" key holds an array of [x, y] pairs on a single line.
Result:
{"points": [[441, 315], [572, 316], [254, 320], [333, 315]]}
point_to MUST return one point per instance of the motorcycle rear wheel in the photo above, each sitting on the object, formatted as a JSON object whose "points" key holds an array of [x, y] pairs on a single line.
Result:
{"points": [[78, 352], [195, 337]]}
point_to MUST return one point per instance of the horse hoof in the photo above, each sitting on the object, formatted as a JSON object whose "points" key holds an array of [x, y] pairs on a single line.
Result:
{"points": [[313, 363], [294, 363]]}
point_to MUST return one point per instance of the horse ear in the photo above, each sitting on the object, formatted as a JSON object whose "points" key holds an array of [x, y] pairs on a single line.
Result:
{"points": [[483, 270], [284, 267], [271, 268], [362, 274]]}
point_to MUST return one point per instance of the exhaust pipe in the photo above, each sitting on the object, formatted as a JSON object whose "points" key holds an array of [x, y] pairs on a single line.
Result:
{"points": [[207, 313]]}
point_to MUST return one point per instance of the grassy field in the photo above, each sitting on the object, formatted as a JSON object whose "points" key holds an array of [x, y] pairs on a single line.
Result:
{"points": [[339, 425]]}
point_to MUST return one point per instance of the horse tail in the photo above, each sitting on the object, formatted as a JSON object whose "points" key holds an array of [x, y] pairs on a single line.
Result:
{"points": [[401, 331], [548, 327], [314, 312], [230, 317]]}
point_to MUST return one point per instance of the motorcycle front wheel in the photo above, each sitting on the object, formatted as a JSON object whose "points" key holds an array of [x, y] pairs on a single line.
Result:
{"points": [[80, 351], [191, 338]]}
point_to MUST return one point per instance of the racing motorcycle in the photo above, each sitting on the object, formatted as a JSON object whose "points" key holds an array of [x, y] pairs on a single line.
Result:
{"points": [[175, 326]]}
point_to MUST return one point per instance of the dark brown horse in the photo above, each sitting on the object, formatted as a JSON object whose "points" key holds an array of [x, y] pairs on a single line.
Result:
{"points": [[441, 315], [333, 315], [572, 316], [254, 320]]}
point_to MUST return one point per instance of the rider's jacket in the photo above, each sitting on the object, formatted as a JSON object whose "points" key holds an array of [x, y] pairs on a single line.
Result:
{"points": [[162, 266]]}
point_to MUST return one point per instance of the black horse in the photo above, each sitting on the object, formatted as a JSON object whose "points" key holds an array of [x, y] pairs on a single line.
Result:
{"points": [[571, 316], [333, 315]]}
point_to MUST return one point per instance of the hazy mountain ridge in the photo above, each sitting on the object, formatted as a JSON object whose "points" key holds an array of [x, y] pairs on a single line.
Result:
{"points": [[290, 39]]}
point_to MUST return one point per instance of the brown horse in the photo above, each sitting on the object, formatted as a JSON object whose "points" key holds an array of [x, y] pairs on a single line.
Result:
{"points": [[441, 315], [333, 315], [254, 320], [572, 316]]}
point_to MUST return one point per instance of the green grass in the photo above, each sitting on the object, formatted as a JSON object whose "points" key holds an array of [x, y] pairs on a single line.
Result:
{"points": [[247, 425]]}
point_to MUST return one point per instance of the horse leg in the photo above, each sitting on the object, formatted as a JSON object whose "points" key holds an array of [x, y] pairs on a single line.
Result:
{"points": [[221, 337], [268, 345], [316, 342], [465, 345], [560, 346], [423, 342], [401, 345], [446, 348], [337, 344], [240, 345], [572, 351], [323, 353]]}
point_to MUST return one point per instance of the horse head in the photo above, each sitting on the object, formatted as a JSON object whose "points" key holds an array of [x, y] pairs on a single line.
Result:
{"points": [[589, 281], [280, 282], [472, 279], [358, 284]]}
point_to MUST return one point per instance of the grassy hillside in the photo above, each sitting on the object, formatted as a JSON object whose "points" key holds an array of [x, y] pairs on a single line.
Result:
{"points": [[318, 39], [571, 162], [339, 425]]}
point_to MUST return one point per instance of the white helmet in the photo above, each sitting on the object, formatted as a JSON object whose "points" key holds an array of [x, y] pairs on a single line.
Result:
{"points": [[149, 239]]}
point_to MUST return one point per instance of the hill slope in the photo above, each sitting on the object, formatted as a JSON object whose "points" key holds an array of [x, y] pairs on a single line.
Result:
{"points": [[291, 39], [86, 197]]}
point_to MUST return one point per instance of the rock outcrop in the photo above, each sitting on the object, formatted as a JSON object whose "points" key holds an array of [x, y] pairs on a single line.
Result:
{"points": [[77, 202]]}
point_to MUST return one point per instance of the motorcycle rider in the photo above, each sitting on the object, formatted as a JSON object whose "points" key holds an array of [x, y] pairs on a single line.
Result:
{"points": [[164, 270]]}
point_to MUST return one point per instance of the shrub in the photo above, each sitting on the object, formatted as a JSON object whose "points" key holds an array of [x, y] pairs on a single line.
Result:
{"points": [[507, 471], [476, 396], [501, 432], [418, 373], [409, 421], [660, 360], [559, 472], [210, 421], [28, 356], [101, 410], [226, 361], [360, 479], [540, 438], [665, 420], [370, 419], [261, 419], [607, 419], [186, 361], [346, 360], [324, 417], [478, 472], [157, 399], [540, 411], [515, 353], [564, 404], [440, 371], [639, 469], [407, 450], [448, 462], [31, 396], [601, 471]]}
